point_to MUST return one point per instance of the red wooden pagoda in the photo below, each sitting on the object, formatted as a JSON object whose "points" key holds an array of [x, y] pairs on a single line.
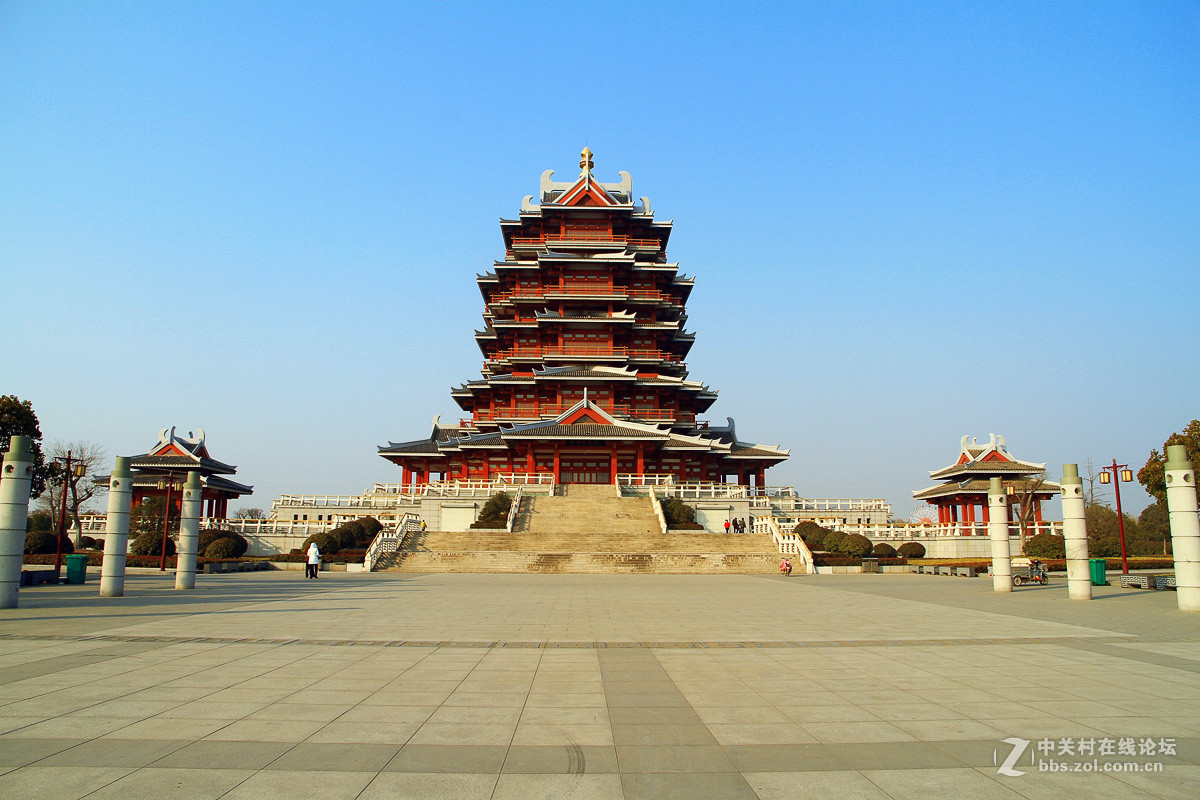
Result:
{"points": [[170, 461], [584, 346], [966, 481]]}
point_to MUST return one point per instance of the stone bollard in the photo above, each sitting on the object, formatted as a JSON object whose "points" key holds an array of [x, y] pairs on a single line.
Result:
{"points": [[998, 533], [1185, 526], [116, 530], [15, 477], [1079, 574], [189, 532]]}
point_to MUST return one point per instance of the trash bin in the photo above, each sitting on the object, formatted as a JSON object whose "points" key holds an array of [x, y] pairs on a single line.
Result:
{"points": [[76, 568], [870, 565], [1097, 566]]}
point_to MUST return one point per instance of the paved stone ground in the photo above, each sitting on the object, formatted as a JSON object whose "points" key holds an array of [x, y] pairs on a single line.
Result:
{"points": [[262, 685]]}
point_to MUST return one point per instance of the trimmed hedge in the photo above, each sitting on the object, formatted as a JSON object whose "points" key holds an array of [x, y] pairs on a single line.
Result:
{"points": [[1045, 545], [151, 544], [678, 513], [883, 550], [813, 535], [43, 542], [843, 560], [496, 508], [911, 550]]}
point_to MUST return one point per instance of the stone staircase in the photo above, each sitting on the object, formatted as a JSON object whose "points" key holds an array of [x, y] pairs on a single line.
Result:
{"points": [[589, 530]]}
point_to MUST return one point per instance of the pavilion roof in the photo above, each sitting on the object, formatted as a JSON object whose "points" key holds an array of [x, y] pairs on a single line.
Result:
{"points": [[980, 487]]}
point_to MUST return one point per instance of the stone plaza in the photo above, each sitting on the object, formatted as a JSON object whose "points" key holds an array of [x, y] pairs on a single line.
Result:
{"points": [[462, 686]]}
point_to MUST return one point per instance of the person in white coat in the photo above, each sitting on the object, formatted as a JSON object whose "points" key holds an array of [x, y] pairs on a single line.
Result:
{"points": [[314, 561]]}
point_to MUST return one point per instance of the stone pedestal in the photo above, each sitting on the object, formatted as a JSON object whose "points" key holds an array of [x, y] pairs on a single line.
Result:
{"points": [[1185, 526], [998, 533], [189, 532], [1079, 578], [15, 477], [116, 530]]}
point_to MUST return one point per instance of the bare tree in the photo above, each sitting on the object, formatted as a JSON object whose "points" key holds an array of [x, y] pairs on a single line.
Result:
{"points": [[80, 488], [1024, 503], [250, 513], [1092, 476]]}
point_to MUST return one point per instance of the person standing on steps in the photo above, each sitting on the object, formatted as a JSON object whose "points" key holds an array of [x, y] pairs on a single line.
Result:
{"points": [[314, 561], [727, 526]]}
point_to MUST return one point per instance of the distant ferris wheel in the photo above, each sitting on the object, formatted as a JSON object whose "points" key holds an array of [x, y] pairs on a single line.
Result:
{"points": [[924, 514]]}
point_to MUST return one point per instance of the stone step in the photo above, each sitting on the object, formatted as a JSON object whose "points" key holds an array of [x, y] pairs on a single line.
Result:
{"points": [[588, 563]]}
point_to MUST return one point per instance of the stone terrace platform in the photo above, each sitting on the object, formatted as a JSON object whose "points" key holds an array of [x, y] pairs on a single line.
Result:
{"points": [[264, 685]]}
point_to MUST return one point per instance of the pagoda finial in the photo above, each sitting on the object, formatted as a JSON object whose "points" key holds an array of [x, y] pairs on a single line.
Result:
{"points": [[585, 161]]}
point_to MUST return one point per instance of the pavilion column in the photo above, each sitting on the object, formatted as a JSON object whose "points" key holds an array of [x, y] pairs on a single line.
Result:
{"points": [[557, 464], [15, 477], [189, 533], [761, 478], [1079, 580], [1185, 527], [116, 530], [998, 533], [641, 459], [986, 515], [612, 462], [529, 465]]}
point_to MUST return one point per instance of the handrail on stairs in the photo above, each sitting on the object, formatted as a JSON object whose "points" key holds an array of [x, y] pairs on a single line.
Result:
{"points": [[389, 540], [514, 509]]}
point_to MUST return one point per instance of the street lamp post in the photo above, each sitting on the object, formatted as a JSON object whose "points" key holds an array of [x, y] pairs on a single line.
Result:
{"points": [[1115, 474], [77, 470], [167, 483]]}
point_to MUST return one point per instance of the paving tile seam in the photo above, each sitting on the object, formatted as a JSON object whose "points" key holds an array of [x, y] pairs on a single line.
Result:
{"points": [[594, 645]]}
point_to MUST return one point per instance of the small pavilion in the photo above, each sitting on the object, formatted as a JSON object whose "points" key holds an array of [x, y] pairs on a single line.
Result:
{"points": [[171, 460], [962, 497]]}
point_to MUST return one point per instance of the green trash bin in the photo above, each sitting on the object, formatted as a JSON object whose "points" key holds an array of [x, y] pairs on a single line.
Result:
{"points": [[76, 568], [1099, 576]]}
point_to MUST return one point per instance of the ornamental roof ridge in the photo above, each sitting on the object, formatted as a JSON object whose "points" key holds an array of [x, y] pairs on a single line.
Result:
{"points": [[972, 455]]}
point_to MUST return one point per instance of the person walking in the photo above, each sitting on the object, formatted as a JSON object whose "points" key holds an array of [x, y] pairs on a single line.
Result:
{"points": [[314, 561], [727, 526]]}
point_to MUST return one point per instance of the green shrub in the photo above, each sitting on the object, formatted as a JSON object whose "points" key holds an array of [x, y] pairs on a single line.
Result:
{"points": [[87, 543], [833, 541], [210, 535], [43, 542], [676, 512], [883, 550], [854, 544], [496, 508], [1046, 545], [326, 543], [347, 534], [150, 544], [812, 534], [371, 528], [39, 521], [911, 550], [222, 548]]}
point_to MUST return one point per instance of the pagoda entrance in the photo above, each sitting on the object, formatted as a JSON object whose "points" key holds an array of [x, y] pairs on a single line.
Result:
{"points": [[590, 470]]}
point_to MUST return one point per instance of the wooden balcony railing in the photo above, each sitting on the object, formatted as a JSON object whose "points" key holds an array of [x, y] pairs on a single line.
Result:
{"points": [[581, 351], [590, 290], [582, 236], [538, 410]]}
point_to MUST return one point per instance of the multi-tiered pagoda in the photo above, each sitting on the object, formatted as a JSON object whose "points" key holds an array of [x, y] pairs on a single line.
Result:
{"points": [[584, 346]]}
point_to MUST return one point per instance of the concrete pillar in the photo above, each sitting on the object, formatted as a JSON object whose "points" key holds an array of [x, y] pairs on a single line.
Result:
{"points": [[116, 530], [1185, 526], [1079, 579], [998, 533], [15, 477], [189, 533]]}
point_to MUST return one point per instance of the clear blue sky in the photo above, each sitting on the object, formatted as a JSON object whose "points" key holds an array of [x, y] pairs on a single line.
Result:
{"points": [[907, 221]]}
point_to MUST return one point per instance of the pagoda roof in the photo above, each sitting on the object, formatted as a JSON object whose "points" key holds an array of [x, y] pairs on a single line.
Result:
{"points": [[987, 459], [980, 487], [174, 452], [179, 454]]}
